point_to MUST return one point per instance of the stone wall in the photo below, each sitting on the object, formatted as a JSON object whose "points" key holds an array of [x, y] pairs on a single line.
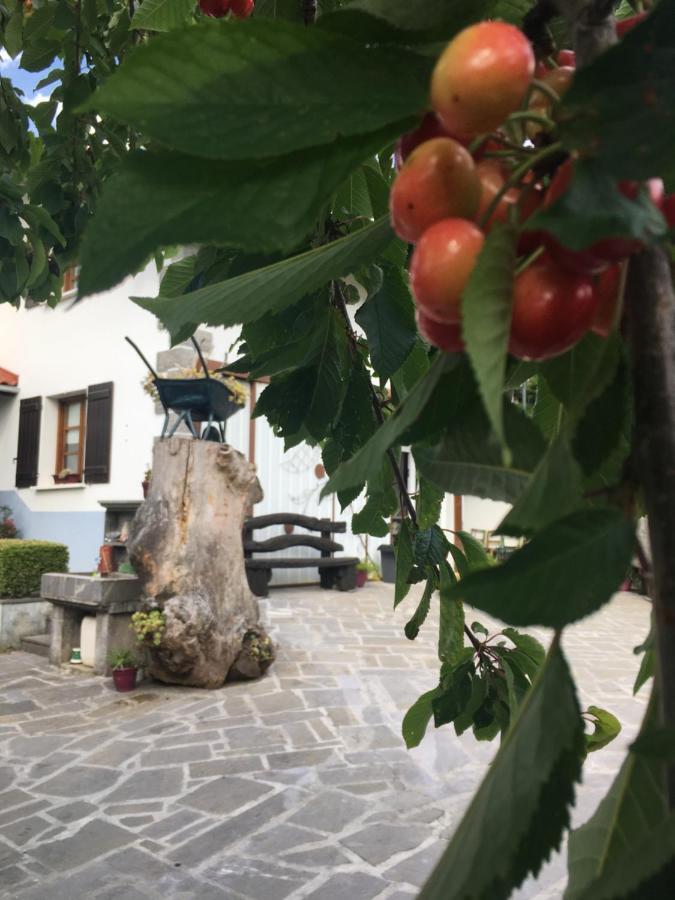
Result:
{"points": [[20, 617]]}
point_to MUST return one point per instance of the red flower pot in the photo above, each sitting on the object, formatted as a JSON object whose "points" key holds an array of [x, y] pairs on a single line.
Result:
{"points": [[146, 487], [125, 679], [107, 563], [361, 577]]}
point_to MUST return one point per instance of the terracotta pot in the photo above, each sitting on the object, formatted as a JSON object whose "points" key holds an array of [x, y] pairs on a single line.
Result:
{"points": [[146, 487], [361, 577], [107, 563], [125, 679]]}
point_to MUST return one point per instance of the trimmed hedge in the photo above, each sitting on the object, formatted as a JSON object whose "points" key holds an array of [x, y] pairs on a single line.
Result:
{"points": [[23, 563]]}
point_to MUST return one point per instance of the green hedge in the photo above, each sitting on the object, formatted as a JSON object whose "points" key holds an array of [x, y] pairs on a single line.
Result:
{"points": [[23, 563]]}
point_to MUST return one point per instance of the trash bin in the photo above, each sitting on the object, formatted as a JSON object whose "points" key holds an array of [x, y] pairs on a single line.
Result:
{"points": [[387, 563]]}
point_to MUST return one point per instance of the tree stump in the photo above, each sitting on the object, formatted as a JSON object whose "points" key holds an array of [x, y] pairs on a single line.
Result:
{"points": [[185, 543]]}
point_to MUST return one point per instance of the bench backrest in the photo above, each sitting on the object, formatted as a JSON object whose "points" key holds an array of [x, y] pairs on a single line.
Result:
{"points": [[325, 543]]}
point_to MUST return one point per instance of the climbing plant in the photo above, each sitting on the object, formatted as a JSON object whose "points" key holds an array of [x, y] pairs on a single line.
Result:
{"points": [[483, 187]]}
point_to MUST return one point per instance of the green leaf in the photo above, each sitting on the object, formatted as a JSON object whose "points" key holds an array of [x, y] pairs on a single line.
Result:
{"points": [[605, 420], [430, 547], [628, 843], [479, 689], [657, 742], [412, 627], [468, 460], [605, 728], [388, 319], [404, 562], [417, 718], [648, 661], [272, 288], [567, 571], [527, 644], [580, 375], [161, 15], [554, 490], [370, 519], [158, 199], [332, 370], [262, 88], [455, 691], [637, 75], [451, 628], [593, 208], [357, 470], [549, 413], [522, 807], [429, 503], [486, 320]]}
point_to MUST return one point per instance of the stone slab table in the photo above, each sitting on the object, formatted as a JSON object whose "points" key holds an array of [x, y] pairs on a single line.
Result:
{"points": [[111, 600]]}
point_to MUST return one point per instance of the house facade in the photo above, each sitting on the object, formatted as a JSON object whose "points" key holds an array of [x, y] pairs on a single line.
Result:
{"points": [[77, 427]]}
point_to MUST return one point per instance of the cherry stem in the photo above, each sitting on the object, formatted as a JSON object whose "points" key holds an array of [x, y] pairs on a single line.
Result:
{"points": [[528, 260], [537, 85], [524, 115], [515, 177]]}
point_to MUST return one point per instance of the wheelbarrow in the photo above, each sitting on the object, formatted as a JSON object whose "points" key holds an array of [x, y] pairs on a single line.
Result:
{"points": [[190, 399]]}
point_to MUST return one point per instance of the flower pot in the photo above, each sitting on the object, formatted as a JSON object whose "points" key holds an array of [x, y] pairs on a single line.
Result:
{"points": [[73, 478], [361, 577], [125, 679], [107, 564], [146, 487]]}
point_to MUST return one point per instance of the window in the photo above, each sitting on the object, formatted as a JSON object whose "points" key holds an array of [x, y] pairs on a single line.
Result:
{"points": [[70, 436]]}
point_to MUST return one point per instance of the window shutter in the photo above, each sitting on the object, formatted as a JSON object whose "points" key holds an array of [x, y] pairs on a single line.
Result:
{"points": [[30, 411], [98, 433]]}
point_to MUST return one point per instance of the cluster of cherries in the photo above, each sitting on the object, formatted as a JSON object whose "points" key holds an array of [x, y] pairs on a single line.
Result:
{"points": [[466, 168], [217, 9]]}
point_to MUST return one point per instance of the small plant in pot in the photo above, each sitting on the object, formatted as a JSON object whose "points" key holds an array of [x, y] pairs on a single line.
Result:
{"points": [[124, 667], [66, 476], [145, 484], [366, 570]]}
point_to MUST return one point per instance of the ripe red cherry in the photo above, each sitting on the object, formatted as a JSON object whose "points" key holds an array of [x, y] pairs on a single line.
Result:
{"points": [[215, 8], [438, 181], [626, 25], [440, 334], [668, 209], [607, 291], [491, 176], [441, 265], [428, 128], [242, 9], [566, 58], [552, 309], [481, 77]]}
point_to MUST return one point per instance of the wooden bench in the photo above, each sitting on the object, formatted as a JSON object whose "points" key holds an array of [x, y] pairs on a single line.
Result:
{"points": [[334, 571]]}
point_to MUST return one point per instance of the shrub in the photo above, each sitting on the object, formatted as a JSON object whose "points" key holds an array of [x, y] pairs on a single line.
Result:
{"points": [[23, 563]]}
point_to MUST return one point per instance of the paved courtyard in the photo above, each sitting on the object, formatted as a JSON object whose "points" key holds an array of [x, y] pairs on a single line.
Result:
{"points": [[297, 786]]}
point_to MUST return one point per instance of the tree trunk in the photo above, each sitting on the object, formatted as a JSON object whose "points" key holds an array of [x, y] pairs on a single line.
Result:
{"points": [[186, 546]]}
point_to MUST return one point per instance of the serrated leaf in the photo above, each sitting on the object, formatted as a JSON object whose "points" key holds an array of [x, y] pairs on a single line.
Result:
{"points": [[567, 571], [455, 693], [522, 806], [636, 74], [429, 503], [606, 727], [580, 375], [388, 319], [629, 841], [451, 628], [605, 420], [261, 88], [158, 199], [486, 320], [161, 15], [370, 519], [247, 297], [412, 627], [592, 207], [554, 490], [527, 644], [430, 547], [417, 718], [465, 719], [404, 562]]}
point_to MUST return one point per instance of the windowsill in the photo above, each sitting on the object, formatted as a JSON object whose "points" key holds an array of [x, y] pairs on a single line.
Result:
{"points": [[61, 487]]}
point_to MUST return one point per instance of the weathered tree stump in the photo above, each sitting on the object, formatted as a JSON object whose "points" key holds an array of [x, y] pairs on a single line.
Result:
{"points": [[185, 544]]}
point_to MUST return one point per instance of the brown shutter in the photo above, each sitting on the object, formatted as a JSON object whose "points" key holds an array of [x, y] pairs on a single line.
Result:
{"points": [[98, 433], [30, 411]]}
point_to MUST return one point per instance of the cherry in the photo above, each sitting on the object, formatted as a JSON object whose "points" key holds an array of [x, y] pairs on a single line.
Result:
{"points": [[492, 178], [668, 209], [242, 9], [607, 291], [428, 128], [437, 181], [441, 265], [552, 309], [481, 77], [440, 334], [559, 80], [566, 58], [626, 25], [215, 8]]}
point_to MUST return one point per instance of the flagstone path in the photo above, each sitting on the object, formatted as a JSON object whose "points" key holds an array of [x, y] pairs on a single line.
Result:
{"points": [[296, 786]]}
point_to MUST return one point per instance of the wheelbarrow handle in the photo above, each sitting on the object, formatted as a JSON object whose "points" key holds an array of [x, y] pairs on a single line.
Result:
{"points": [[129, 341], [201, 358]]}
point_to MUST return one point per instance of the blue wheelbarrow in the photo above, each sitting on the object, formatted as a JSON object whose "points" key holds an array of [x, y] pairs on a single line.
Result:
{"points": [[194, 400]]}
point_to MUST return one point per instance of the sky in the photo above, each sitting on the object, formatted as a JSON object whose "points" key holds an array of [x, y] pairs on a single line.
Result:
{"points": [[26, 81]]}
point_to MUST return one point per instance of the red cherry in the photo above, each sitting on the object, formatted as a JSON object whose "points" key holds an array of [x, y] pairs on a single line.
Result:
{"points": [[242, 9], [437, 181], [481, 77], [626, 25], [566, 58], [441, 265], [607, 291], [428, 128], [552, 309], [215, 8], [440, 334], [668, 210]]}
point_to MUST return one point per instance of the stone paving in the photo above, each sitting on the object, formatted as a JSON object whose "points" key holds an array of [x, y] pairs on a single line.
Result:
{"points": [[296, 786]]}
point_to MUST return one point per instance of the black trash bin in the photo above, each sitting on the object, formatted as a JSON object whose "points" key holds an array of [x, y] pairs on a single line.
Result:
{"points": [[387, 563]]}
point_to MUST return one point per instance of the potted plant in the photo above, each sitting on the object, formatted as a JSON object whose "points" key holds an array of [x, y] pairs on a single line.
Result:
{"points": [[361, 573], [66, 476], [145, 484], [124, 669]]}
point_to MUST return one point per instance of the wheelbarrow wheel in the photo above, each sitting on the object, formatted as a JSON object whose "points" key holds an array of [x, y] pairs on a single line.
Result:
{"points": [[211, 433]]}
